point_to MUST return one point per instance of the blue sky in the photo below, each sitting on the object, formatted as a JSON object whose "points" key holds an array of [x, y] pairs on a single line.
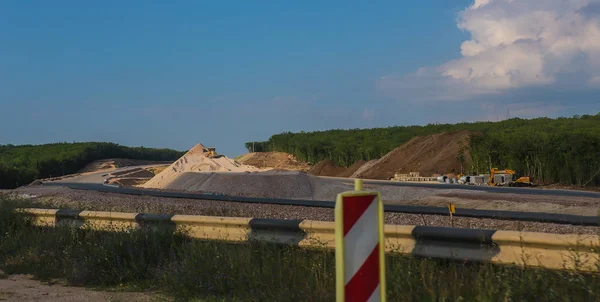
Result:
{"points": [[163, 74]]}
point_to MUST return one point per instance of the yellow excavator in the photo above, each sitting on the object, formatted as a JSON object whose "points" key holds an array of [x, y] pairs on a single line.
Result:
{"points": [[523, 181]]}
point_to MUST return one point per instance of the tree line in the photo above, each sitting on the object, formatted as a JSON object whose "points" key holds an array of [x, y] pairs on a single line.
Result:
{"points": [[20, 165], [562, 150]]}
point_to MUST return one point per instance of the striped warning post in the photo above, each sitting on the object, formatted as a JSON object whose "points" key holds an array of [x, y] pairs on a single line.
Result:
{"points": [[360, 270]]}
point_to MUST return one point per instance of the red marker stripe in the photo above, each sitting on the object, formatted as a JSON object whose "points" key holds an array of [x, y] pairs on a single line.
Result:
{"points": [[366, 280], [354, 207]]}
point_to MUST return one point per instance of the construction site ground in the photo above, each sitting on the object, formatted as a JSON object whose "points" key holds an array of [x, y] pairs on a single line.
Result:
{"points": [[111, 164], [280, 175], [61, 197], [275, 160]]}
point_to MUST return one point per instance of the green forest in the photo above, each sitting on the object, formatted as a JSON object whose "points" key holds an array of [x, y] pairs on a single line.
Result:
{"points": [[20, 165], [564, 150]]}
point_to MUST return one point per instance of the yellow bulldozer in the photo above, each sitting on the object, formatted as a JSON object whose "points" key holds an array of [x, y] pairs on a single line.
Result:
{"points": [[524, 181], [211, 153]]}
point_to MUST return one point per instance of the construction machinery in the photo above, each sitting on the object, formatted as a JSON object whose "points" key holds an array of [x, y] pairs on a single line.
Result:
{"points": [[512, 182], [212, 153]]}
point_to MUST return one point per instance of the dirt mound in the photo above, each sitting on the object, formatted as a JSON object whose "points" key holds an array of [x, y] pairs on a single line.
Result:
{"points": [[195, 160], [326, 167], [329, 168], [429, 155], [366, 166], [275, 160], [352, 169]]}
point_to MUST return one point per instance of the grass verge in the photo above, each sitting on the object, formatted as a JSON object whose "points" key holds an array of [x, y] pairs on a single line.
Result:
{"points": [[185, 269]]}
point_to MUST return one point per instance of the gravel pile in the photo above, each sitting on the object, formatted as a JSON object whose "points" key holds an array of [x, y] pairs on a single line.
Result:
{"points": [[288, 185], [272, 184], [57, 197]]}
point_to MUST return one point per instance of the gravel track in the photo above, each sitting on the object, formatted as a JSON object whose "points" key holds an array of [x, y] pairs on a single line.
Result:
{"points": [[60, 197]]}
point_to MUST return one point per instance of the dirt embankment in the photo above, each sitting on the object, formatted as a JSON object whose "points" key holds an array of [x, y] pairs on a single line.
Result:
{"points": [[113, 163], [327, 167], [352, 169], [275, 160], [429, 155], [364, 167]]}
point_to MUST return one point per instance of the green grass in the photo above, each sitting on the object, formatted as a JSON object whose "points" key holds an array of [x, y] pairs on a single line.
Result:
{"points": [[192, 270]]}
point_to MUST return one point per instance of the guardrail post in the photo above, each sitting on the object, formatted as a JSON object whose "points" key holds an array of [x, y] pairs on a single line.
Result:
{"points": [[358, 184], [359, 246]]}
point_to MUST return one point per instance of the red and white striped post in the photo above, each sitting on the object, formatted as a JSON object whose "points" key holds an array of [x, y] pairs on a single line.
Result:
{"points": [[359, 250]]}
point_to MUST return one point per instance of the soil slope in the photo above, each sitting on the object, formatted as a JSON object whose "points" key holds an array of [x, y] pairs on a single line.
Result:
{"points": [[326, 167], [429, 155], [364, 167], [275, 160], [352, 169]]}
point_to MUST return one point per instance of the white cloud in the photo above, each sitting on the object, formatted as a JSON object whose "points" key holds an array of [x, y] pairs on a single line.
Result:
{"points": [[595, 81], [514, 44]]}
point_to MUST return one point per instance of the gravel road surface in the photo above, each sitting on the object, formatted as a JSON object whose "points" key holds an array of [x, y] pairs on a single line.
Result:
{"points": [[60, 197]]}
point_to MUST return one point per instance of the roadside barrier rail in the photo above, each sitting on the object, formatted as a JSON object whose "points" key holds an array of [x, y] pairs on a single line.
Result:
{"points": [[555, 251]]}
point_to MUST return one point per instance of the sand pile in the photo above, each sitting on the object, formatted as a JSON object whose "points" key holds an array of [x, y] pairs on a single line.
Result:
{"points": [[275, 160], [195, 160], [429, 155], [326, 167]]}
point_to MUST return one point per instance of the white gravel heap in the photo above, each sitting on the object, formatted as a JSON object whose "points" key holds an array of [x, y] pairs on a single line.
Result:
{"points": [[195, 161]]}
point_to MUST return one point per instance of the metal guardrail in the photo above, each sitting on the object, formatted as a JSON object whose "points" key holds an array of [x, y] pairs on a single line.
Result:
{"points": [[581, 252], [425, 210]]}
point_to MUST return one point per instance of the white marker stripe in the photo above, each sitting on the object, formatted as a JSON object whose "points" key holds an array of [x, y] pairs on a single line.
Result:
{"points": [[375, 296], [360, 242]]}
